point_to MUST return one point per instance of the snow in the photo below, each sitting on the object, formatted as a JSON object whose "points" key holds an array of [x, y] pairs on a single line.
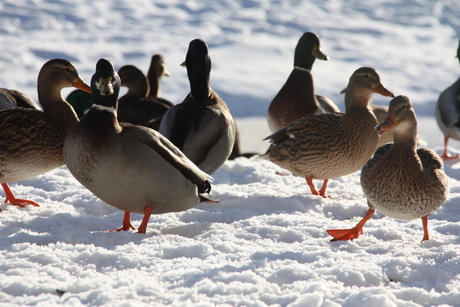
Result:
{"points": [[265, 243]]}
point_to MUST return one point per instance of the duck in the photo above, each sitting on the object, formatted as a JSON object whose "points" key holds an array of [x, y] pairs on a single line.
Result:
{"points": [[80, 101], [202, 126], [31, 139], [447, 113], [10, 99], [401, 180], [381, 113], [324, 146], [130, 167], [296, 98], [136, 106]]}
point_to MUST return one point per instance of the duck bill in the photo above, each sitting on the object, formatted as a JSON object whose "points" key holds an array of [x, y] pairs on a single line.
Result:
{"points": [[105, 86], [317, 53], [380, 89], [388, 125], [82, 86]]}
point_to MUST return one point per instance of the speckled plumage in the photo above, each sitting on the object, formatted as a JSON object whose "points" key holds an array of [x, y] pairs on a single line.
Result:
{"points": [[31, 140], [331, 145], [296, 98], [400, 180]]}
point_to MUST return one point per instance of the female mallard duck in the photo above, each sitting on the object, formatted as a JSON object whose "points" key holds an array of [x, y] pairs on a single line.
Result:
{"points": [[130, 167], [31, 140], [448, 114], [401, 181], [10, 99], [331, 145], [381, 113], [296, 98], [157, 70], [136, 107], [201, 126]]}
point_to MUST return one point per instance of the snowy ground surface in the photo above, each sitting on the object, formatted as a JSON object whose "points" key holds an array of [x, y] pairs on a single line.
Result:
{"points": [[265, 243]]}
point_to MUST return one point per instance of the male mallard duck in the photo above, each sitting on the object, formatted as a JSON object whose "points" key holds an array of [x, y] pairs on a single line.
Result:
{"points": [[448, 114], [130, 167], [31, 140], [296, 98], [401, 181], [202, 125], [136, 107], [331, 145], [10, 99]]}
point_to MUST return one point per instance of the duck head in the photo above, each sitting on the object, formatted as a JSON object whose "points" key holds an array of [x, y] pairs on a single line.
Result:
{"points": [[307, 50], [198, 63], [105, 85], [401, 116]]}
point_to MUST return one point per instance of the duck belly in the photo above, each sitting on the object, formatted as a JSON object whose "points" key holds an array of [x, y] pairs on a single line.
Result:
{"points": [[131, 184]]}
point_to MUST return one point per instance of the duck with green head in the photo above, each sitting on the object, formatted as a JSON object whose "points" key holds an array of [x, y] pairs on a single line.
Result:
{"points": [[447, 114], [297, 96], [202, 125], [130, 167]]}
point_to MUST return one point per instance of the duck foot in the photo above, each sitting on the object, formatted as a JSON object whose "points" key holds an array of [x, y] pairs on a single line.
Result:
{"points": [[353, 233], [314, 191], [16, 201], [126, 223]]}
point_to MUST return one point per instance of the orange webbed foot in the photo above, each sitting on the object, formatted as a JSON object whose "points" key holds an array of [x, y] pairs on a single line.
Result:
{"points": [[10, 198], [345, 234], [126, 223]]}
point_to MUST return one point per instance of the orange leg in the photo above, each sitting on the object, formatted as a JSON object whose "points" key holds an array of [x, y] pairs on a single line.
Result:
{"points": [[126, 223], [350, 234], [426, 235], [314, 191], [145, 220], [16, 201], [446, 155]]}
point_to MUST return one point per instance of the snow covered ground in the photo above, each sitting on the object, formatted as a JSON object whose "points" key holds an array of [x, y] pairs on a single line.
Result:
{"points": [[265, 243]]}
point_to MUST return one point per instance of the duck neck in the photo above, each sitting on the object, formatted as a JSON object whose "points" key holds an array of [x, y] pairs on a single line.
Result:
{"points": [[198, 74], [302, 81], [405, 134], [358, 97], [300, 60], [155, 83], [54, 106]]}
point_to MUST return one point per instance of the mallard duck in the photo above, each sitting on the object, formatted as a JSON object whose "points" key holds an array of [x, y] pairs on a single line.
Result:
{"points": [[331, 145], [448, 114], [31, 140], [381, 113], [136, 107], [157, 70], [132, 168], [202, 125], [296, 98], [10, 99], [401, 181]]}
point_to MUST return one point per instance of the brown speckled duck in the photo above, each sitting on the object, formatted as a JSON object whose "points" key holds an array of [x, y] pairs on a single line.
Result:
{"points": [[202, 125], [130, 167], [401, 181], [141, 104], [296, 98], [331, 145], [448, 114], [31, 140]]}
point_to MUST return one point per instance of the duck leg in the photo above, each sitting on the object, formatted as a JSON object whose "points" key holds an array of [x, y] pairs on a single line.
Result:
{"points": [[426, 235], [446, 155], [350, 234], [9, 198], [126, 223], [314, 191], [145, 220]]}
